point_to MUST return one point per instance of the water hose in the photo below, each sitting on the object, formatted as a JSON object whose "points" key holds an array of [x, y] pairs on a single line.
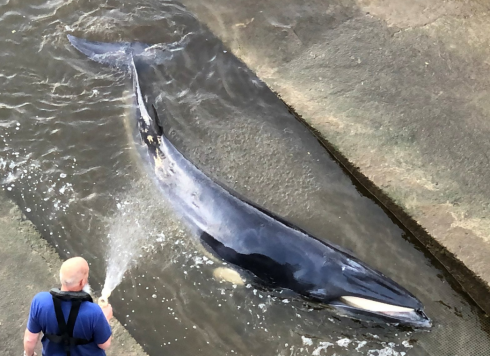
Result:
{"points": [[104, 298]]}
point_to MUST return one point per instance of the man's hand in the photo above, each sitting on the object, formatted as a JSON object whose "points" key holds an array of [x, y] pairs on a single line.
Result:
{"points": [[107, 310]]}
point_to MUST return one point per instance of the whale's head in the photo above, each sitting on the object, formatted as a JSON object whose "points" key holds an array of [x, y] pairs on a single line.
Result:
{"points": [[360, 291]]}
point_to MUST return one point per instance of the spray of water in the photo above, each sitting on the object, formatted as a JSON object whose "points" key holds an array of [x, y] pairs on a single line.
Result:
{"points": [[140, 228], [132, 234], [128, 236]]}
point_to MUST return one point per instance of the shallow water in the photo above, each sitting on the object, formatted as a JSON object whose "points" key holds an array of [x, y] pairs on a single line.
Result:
{"points": [[69, 161]]}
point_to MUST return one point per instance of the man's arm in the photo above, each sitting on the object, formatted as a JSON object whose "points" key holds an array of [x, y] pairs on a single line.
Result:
{"points": [[30, 341], [106, 344], [33, 329], [103, 327]]}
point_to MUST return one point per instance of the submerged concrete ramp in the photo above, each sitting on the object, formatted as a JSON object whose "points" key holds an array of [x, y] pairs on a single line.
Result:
{"points": [[30, 265], [401, 89]]}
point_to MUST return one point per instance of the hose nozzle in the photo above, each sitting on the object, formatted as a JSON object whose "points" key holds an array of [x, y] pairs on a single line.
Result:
{"points": [[104, 299]]}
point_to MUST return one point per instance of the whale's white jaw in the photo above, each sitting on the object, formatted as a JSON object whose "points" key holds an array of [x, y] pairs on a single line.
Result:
{"points": [[394, 314], [373, 306], [388, 312]]}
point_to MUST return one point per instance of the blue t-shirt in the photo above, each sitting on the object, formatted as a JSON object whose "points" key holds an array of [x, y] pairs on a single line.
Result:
{"points": [[91, 323]]}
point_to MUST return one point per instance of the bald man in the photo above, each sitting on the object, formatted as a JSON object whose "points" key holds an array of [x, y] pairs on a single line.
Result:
{"points": [[71, 323]]}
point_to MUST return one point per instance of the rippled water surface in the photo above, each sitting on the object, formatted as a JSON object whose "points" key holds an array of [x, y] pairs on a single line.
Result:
{"points": [[68, 159]]}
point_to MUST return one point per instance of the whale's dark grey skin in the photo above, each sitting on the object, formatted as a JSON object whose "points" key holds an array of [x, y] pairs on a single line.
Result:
{"points": [[273, 251]]}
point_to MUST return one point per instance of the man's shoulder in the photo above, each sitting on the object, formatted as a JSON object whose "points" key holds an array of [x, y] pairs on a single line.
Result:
{"points": [[91, 308], [42, 297], [91, 313]]}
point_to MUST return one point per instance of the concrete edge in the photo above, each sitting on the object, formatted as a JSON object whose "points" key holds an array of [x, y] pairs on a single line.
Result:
{"points": [[466, 275], [467, 280]]}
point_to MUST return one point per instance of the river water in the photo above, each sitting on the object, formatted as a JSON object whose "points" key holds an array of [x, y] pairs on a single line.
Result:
{"points": [[68, 159]]}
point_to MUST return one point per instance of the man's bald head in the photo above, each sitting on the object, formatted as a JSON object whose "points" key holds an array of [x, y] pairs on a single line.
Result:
{"points": [[74, 274]]}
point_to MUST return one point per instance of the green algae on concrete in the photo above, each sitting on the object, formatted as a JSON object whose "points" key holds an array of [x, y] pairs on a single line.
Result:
{"points": [[402, 89], [30, 265]]}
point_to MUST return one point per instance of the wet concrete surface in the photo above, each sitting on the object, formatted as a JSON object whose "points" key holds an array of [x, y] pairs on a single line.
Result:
{"points": [[69, 162], [30, 265], [400, 89]]}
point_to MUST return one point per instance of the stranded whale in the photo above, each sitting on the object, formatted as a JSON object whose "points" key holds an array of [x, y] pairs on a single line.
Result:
{"points": [[265, 247]]}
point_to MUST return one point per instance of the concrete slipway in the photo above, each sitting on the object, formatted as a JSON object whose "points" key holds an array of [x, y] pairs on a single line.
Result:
{"points": [[400, 92]]}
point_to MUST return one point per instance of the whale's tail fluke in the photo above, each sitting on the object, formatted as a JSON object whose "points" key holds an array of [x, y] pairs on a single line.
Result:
{"points": [[113, 54]]}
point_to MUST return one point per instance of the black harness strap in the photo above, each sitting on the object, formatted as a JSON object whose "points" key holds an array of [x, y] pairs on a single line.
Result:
{"points": [[61, 324], [65, 337], [75, 308]]}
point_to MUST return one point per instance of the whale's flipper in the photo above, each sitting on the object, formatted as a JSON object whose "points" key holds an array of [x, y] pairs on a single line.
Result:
{"points": [[112, 54], [228, 275]]}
